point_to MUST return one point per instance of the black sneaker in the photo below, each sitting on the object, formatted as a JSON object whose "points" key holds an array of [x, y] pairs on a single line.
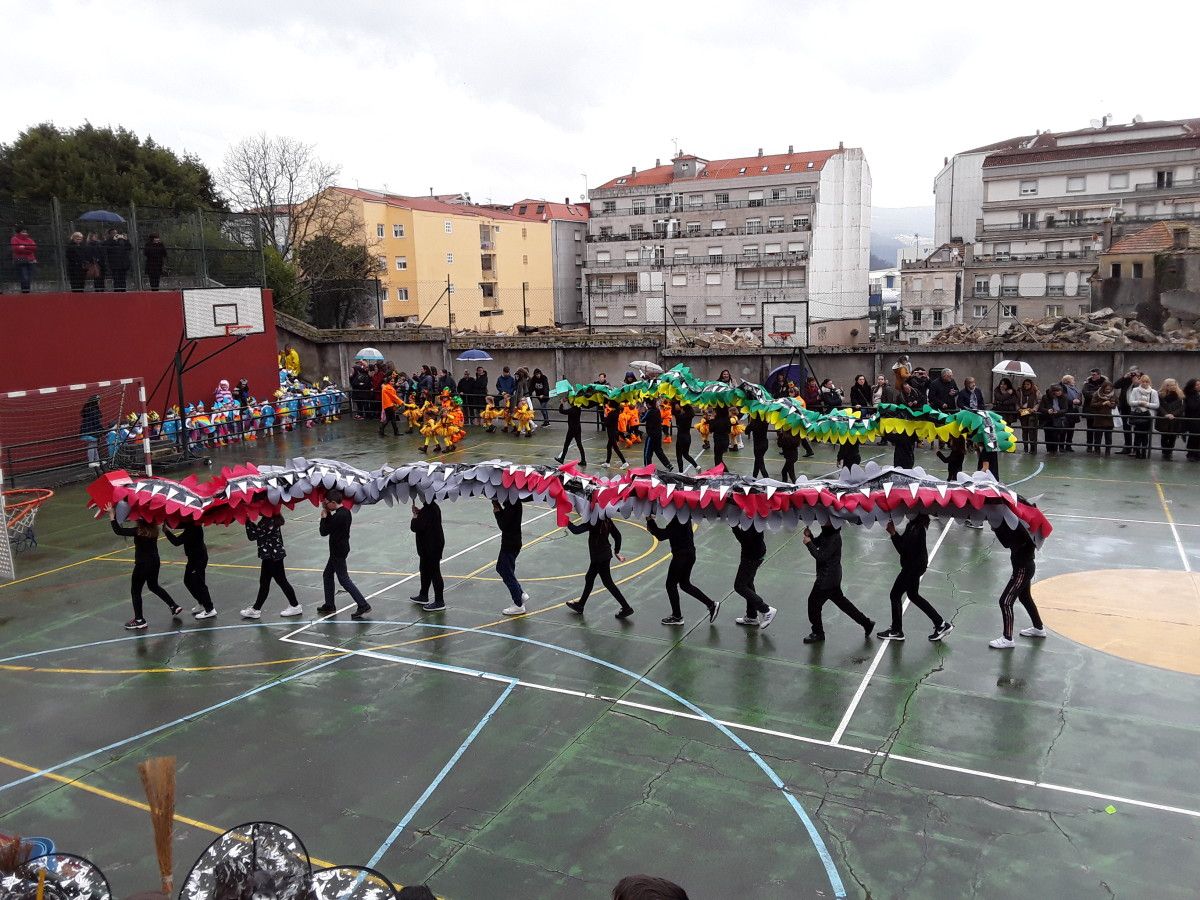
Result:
{"points": [[361, 613], [890, 635], [868, 628], [574, 606], [673, 620], [559, 460], [814, 638], [941, 631], [712, 612], [136, 625], [419, 599], [326, 610], [176, 612], [625, 613], [435, 605]]}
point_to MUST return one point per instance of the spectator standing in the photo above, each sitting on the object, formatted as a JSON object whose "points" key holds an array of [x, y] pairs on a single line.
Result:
{"points": [[860, 394], [446, 382], [91, 427], [943, 392], [1170, 414], [1052, 411], [811, 395], [779, 386], [1100, 408], [360, 389], [883, 392], [1143, 405], [1088, 390], [522, 388], [1074, 397], [95, 261], [155, 254], [831, 396], [76, 262], [1004, 401], [1191, 412], [539, 389], [919, 382], [506, 384], [24, 256], [1122, 386], [970, 397], [119, 254], [289, 359], [1027, 409]]}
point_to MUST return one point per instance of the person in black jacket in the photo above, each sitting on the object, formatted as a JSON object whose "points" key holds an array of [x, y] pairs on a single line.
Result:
{"points": [[431, 541], [146, 565], [191, 539], [612, 416], [943, 392], [683, 414], [826, 549], [360, 389], [1021, 554], [267, 532], [759, 442], [652, 419], [335, 525], [789, 444], [539, 390], [119, 253], [574, 432], [76, 261], [466, 390], [155, 253], [508, 520], [1121, 386], [753, 551], [95, 260], [600, 555], [903, 450], [1191, 416], [679, 572], [914, 560], [719, 426]]}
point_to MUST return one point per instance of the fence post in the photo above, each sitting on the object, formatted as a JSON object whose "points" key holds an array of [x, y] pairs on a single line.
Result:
{"points": [[60, 249], [203, 253], [135, 240]]}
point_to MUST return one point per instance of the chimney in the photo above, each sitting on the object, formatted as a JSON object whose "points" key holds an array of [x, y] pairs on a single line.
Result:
{"points": [[567, 200], [841, 146], [945, 160], [657, 163], [633, 171], [790, 150], [760, 151]]}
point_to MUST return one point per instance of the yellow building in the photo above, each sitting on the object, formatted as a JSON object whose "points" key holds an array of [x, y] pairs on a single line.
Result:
{"points": [[498, 266]]}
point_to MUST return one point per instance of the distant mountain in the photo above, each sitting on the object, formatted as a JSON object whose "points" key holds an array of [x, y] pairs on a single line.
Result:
{"points": [[896, 227]]}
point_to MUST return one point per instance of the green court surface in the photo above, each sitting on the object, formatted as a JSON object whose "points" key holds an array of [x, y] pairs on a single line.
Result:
{"points": [[549, 755]]}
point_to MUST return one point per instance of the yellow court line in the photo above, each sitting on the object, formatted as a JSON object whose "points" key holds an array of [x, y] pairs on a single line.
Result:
{"points": [[126, 801], [60, 569], [163, 671]]}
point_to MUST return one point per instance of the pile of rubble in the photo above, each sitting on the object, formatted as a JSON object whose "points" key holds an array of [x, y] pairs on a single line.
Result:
{"points": [[1102, 328], [732, 339]]}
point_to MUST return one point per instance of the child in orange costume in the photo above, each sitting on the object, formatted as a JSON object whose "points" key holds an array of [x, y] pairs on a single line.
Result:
{"points": [[430, 427], [704, 429], [736, 430], [668, 420], [412, 412]]}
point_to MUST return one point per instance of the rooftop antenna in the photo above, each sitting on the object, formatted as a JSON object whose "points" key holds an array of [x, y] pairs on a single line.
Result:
{"points": [[584, 195], [675, 141]]}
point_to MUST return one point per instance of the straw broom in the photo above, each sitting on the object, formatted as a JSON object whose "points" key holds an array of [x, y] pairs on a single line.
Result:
{"points": [[158, 779]]}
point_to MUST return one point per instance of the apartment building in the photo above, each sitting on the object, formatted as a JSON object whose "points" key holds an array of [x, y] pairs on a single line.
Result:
{"points": [[931, 292], [1052, 202], [767, 242], [568, 235], [446, 261]]}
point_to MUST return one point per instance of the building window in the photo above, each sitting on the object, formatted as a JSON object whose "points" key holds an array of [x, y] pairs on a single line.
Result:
{"points": [[1115, 270], [1029, 219], [747, 309], [772, 249], [401, 293], [693, 228], [604, 283], [937, 318], [401, 263], [1118, 181], [695, 199], [1137, 270], [600, 312], [1008, 310], [775, 222], [679, 281], [798, 247], [718, 225], [488, 290], [639, 207], [747, 278], [803, 193], [630, 312], [795, 276], [1008, 286], [524, 232], [636, 232], [983, 286], [579, 260], [382, 263], [578, 236], [915, 315], [715, 252], [750, 250], [939, 283], [1054, 310], [1028, 188], [722, 198], [631, 256], [1085, 308], [712, 309], [712, 278], [1164, 178], [448, 226], [979, 310], [1056, 285], [681, 251], [605, 232], [755, 198], [918, 284], [524, 260], [679, 310], [450, 258], [397, 231], [1085, 284], [778, 193], [1076, 183], [608, 206], [1001, 250], [379, 230], [754, 226], [603, 256]]}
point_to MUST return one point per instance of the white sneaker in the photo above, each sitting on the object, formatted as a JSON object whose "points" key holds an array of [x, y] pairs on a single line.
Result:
{"points": [[978, 526], [748, 620], [251, 613], [202, 613], [524, 596], [514, 611], [292, 610], [1033, 632], [768, 617], [624, 465], [604, 465], [1002, 643]]}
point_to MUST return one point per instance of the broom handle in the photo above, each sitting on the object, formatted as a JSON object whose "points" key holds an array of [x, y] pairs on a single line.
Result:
{"points": [[41, 888]]}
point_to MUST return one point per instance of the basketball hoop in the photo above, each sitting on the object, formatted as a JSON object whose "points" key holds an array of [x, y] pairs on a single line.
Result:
{"points": [[20, 512], [780, 337], [238, 331]]}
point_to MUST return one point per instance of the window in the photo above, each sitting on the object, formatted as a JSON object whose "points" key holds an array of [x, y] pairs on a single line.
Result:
{"points": [[716, 252], [915, 316], [747, 309], [1056, 285], [742, 170], [695, 199], [712, 278], [603, 283], [603, 256], [937, 318], [939, 283], [1118, 181], [397, 231], [983, 286], [679, 281], [772, 276], [754, 226], [631, 283], [608, 206], [524, 232], [718, 225], [775, 222], [401, 263], [450, 258], [1054, 248], [679, 310], [1116, 270], [382, 262], [1085, 308], [979, 310], [750, 250], [1137, 270], [755, 198], [692, 228], [541, 209], [662, 204], [918, 284], [1000, 249], [605, 232], [636, 232], [1008, 286], [401, 293], [803, 193], [448, 227], [822, 330], [600, 312], [631, 256], [639, 207], [778, 193], [722, 198], [712, 309], [1008, 310], [522, 209], [379, 230], [524, 259], [795, 276], [1029, 219], [1028, 188], [1075, 216], [772, 249], [1164, 178], [1076, 183], [578, 236], [1054, 310], [488, 290], [681, 251], [1085, 284], [630, 312]]}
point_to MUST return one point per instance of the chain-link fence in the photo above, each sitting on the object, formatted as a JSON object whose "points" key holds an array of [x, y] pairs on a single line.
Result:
{"points": [[87, 246]]}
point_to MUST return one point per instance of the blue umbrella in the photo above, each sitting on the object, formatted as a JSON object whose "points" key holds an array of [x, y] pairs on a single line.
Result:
{"points": [[474, 356], [102, 215]]}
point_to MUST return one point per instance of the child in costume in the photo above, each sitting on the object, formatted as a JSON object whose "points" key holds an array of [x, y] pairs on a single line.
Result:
{"points": [[736, 430], [523, 419], [222, 394], [266, 414], [308, 408], [412, 413], [429, 428], [506, 411], [489, 416], [705, 430], [170, 424], [668, 419]]}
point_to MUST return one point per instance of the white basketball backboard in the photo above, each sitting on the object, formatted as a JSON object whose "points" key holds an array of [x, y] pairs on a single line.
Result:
{"points": [[785, 323], [209, 312]]}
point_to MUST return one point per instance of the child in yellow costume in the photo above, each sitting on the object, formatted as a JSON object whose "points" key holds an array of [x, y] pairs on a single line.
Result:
{"points": [[705, 431], [523, 418], [430, 426], [736, 430], [668, 420], [489, 415], [412, 413], [506, 412]]}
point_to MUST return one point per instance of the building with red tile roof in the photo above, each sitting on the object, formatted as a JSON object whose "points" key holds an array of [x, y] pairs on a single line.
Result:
{"points": [[568, 228]]}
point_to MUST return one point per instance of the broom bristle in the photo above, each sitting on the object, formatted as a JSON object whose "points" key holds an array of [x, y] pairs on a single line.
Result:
{"points": [[158, 779], [14, 853]]}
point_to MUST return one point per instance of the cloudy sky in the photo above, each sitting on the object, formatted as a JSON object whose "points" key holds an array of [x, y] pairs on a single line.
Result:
{"points": [[507, 100]]}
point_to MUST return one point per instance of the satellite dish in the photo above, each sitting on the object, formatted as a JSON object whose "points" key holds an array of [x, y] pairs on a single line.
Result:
{"points": [[1138, 120]]}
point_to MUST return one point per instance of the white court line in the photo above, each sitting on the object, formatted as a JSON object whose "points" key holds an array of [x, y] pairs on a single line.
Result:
{"points": [[862, 686], [886, 756], [1187, 566], [406, 578], [1062, 515]]}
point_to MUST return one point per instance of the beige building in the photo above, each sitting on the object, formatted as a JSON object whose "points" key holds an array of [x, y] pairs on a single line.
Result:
{"points": [[931, 292]]}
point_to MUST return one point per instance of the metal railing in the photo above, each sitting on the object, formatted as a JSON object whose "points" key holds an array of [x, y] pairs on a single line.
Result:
{"points": [[1182, 184], [649, 209], [1035, 257], [701, 233], [782, 258]]}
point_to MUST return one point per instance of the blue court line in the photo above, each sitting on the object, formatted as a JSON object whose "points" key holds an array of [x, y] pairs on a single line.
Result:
{"points": [[181, 720], [453, 761]]}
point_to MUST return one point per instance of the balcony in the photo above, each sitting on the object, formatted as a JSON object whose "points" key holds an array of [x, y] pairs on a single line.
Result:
{"points": [[1183, 185], [705, 233], [487, 246], [680, 207], [732, 259], [1006, 259], [1050, 223]]}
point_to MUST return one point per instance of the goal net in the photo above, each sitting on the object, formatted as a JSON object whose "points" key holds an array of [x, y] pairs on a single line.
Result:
{"points": [[54, 434]]}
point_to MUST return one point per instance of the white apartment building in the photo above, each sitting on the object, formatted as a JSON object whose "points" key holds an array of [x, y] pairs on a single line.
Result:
{"points": [[1050, 203], [764, 242]]}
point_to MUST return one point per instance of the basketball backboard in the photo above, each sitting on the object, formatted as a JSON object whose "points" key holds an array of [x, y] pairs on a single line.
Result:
{"points": [[210, 312], [785, 323]]}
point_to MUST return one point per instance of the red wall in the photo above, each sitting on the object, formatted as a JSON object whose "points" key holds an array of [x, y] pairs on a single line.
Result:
{"points": [[48, 340]]}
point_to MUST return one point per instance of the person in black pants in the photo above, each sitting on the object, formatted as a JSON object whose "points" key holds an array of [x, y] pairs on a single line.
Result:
{"points": [[191, 539], [754, 551], [849, 454], [574, 432], [826, 549], [652, 419], [679, 572], [146, 564], [914, 560], [955, 455], [789, 443], [600, 556], [267, 532], [683, 414], [759, 442], [431, 541], [1021, 554], [904, 450], [508, 520], [719, 428], [335, 525], [612, 415]]}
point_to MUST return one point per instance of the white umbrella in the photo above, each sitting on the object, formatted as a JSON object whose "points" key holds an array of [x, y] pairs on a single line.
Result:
{"points": [[646, 367], [369, 354], [1014, 367]]}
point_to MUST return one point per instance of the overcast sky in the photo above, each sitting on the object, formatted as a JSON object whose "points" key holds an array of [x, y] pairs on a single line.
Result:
{"points": [[507, 100]]}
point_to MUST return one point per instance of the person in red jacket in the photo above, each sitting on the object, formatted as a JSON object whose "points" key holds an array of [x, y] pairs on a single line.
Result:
{"points": [[24, 256]]}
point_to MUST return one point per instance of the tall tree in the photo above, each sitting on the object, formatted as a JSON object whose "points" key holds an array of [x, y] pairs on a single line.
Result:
{"points": [[341, 279], [103, 166]]}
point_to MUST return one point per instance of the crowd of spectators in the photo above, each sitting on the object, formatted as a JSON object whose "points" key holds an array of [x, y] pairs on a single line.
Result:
{"points": [[103, 264]]}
